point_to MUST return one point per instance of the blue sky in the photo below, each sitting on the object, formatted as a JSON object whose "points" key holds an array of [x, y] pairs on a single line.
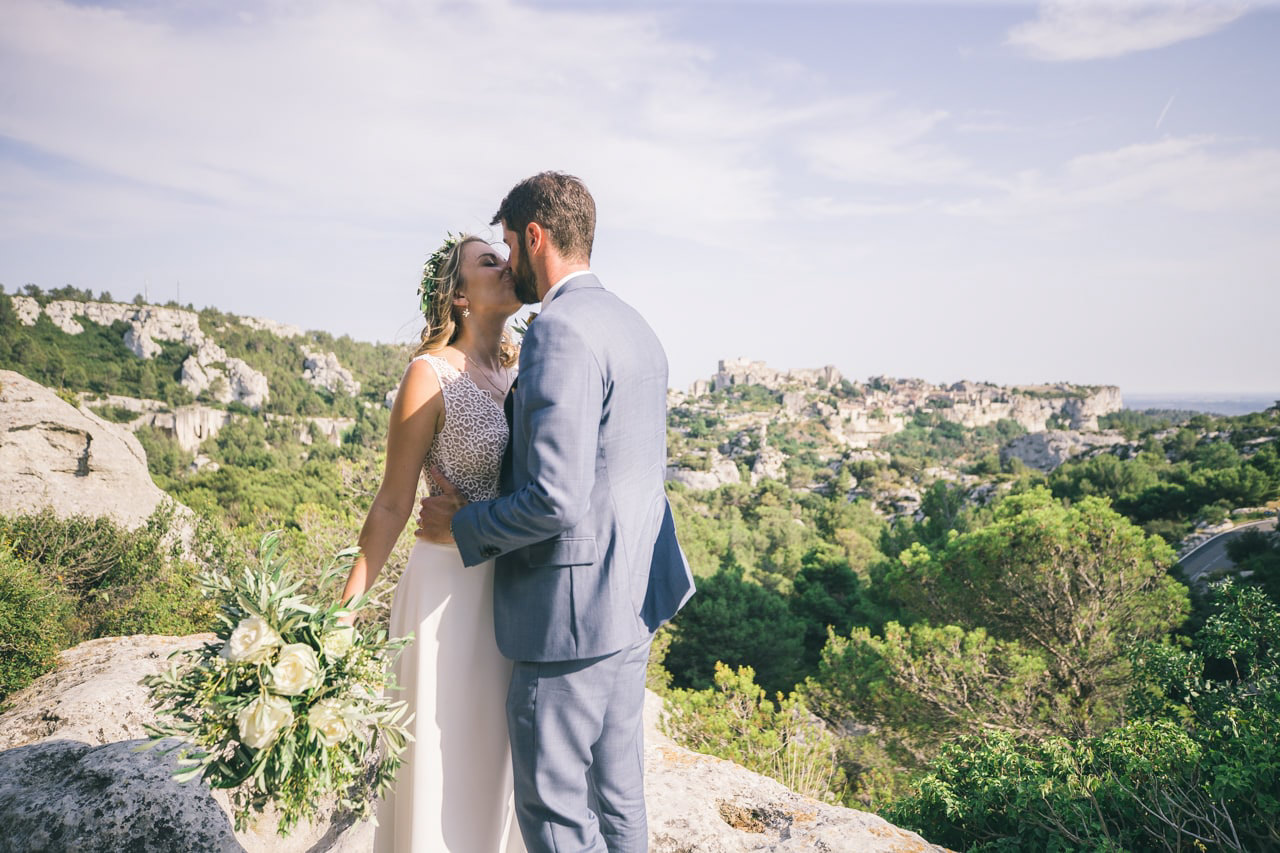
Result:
{"points": [[1013, 192]]}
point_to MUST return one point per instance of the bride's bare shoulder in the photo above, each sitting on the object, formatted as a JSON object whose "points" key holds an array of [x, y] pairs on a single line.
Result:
{"points": [[419, 387]]}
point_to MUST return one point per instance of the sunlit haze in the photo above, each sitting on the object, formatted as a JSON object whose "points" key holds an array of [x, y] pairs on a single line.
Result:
{"points": [[1008, 192]]}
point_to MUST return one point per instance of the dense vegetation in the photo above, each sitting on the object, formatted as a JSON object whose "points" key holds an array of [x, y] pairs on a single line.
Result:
{"points": [[1013, 662], [66, 581]]}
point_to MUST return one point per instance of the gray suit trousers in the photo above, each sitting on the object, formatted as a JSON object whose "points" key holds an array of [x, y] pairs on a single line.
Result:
{"points": [[577, 748]]}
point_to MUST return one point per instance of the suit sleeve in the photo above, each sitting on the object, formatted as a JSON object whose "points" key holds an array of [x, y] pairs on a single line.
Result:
{"points": [[561, 402]]}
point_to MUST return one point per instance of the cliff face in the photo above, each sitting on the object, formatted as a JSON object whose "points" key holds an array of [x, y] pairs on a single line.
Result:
{"points": [[208, 367], [71, 780], [883, 405]]}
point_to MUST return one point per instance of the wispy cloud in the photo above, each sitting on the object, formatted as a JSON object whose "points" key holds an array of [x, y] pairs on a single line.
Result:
{"points": [[886, 145], [1195, 174], [377, 110], [1066, 30]]}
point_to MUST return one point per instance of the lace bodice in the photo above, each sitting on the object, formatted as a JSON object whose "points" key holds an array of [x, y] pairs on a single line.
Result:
{"points": [[470, 445]]}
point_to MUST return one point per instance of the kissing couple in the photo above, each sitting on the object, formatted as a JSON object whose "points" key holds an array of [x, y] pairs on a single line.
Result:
{"points": [[546, 553]]}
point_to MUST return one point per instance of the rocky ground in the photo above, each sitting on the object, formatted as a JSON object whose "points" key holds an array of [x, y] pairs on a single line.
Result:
{"points": [[71, 778]]}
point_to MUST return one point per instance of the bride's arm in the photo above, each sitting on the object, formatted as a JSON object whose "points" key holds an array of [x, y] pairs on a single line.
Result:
{"points": [[415, 417]]}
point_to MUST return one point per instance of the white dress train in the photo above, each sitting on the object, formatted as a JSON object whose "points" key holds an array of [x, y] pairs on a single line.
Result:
{"points": [[453, 793]]}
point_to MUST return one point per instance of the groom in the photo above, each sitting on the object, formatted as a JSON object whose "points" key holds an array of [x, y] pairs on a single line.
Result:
{"points": [[587, 563]]}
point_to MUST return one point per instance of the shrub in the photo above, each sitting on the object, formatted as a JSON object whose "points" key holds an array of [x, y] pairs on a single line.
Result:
{"points": [[734, 720], [115, 580], [32, 614]]}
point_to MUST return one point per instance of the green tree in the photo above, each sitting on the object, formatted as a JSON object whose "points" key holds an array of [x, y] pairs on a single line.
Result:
{"points": [[1075, 584], [826, 595], [1199, 767], [740, 623], [922, 685]]}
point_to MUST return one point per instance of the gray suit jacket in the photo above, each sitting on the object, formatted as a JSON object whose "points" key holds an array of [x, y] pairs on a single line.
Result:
{"points": [[587, 557]]}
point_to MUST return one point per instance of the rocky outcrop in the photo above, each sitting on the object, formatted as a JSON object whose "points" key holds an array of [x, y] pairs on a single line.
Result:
{"points": [[330, 429], [861, 414], [54, 454], [27, 309], [71, 780], [207, 368], [1045, 451], [770, 464], [280, 330], [323, 370], [188, 425], [720, 472], [741, 371], [701, 804]]}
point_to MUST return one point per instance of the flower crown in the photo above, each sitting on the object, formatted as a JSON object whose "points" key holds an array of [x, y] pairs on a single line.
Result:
{"points": [[431, 270]]}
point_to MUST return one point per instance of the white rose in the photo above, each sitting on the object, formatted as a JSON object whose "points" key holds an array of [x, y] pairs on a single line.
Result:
{"points": [[252, 640], [296, 671], [338, 642], [262, 719], [330, 719]]}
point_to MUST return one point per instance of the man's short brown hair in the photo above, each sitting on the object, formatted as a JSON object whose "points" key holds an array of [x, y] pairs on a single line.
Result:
{"points": [[559, 203]]}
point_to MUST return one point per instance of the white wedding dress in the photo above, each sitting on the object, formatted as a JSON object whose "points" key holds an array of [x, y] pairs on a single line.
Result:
{"points": [[453, 791]]}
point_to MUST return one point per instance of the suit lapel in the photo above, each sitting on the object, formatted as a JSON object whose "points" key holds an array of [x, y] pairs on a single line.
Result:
{"points": [[506, 476]]}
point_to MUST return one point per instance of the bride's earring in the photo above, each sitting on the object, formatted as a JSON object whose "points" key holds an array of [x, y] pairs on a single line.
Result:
{"points": [[466, 312]]}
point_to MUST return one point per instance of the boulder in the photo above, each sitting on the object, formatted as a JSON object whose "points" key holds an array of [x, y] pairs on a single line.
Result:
{"points": [[323, 370], [54, 454], [71, 780]]}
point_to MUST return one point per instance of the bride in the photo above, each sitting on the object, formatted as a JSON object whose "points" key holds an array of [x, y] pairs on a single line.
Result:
{"points": [[453, 791]]}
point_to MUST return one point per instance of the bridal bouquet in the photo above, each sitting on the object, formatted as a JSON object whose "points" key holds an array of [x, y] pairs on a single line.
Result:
{"points": [[287, 704]]}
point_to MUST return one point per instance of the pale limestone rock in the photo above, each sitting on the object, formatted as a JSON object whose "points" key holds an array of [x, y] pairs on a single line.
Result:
{"points": [[70, 780], [141, 345], [280, 330], [190, 426], [27, 309], [722, 472], [141, 405], [62, 314], [323, 370], [331, 428], [702, 804], [794, 403], [741, 371], [1045, 451], [770, 464], [247, 385], [149, 324], [887, 404], [194, 377], [53, 454]]}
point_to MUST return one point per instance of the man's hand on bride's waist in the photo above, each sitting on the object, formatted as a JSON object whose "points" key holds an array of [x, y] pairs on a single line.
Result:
{"points": [[437, 511]]}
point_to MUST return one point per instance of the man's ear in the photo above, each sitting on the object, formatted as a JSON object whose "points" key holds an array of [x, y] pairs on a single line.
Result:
{"points": [[535, 238]]}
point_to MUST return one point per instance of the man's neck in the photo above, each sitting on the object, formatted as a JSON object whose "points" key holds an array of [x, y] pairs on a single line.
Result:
{"points": [[555, 273]]}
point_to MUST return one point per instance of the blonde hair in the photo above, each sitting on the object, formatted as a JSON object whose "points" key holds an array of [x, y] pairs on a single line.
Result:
{"points": [[444, 320]]}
